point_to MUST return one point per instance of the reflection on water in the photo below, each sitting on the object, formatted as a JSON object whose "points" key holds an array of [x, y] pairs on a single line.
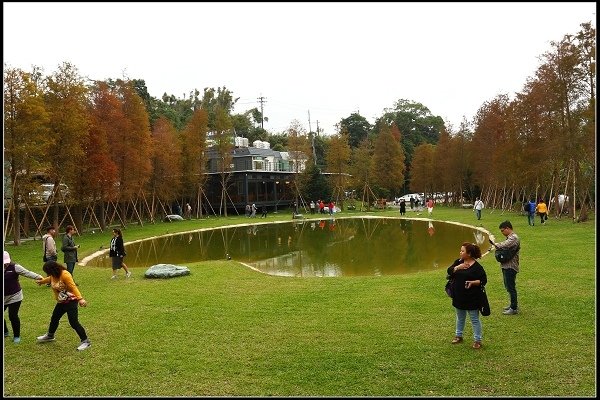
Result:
{"points": [[328, 247]]}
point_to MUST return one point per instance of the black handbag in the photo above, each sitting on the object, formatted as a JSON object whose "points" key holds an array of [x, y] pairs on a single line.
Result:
{"points": [[484, 304], [448, 288]]}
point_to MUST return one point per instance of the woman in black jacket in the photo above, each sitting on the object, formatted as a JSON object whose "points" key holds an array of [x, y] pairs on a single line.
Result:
{"points": [[117, 252], [468, 276]]}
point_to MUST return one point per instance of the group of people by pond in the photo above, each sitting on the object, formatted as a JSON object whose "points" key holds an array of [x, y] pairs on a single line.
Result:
{"points": [[251, 211], [415, 204], [468, 279], [59, 278], [324, 208]]}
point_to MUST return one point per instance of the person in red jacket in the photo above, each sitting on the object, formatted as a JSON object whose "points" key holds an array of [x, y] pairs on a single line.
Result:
{"points": [[430, 206]]}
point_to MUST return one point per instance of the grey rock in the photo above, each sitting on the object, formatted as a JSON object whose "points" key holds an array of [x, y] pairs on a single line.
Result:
{"points": [[173, 217], [166, 271]]}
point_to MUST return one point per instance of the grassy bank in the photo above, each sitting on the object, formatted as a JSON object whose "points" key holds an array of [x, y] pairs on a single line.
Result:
{"points": [[226, 330]]}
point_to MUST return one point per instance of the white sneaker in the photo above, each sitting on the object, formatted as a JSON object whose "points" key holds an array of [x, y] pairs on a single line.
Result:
{"points": [[84, 345], [45, 338], [128, 274], [113, 277]]}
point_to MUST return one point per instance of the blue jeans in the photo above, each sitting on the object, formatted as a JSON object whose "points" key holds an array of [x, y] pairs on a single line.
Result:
{"points": [[478, 212], [461, 316], [510, 277], [531, 219], [70, 267]]}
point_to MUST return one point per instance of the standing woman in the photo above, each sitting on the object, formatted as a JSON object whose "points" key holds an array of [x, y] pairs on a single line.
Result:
{"points": [[13, 294], [117, 252], [67, 297], [468, 276], [70, 249]]}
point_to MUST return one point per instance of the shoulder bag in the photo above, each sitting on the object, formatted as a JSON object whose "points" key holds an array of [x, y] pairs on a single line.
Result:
{"points": [[449, 290], [484, 304]]}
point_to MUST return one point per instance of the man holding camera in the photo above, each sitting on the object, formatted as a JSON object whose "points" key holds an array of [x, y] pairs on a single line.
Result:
{"points": [[510, 268]]}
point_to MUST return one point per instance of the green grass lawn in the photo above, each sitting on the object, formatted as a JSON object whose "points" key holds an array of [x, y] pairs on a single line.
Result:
{"points": [[226, 330]]}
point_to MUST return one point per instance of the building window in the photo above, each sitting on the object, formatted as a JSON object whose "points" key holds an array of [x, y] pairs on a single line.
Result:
{"points": [[258, 163]]}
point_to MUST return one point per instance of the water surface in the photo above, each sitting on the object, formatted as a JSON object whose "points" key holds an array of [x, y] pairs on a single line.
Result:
{"points": [[328, 247]]}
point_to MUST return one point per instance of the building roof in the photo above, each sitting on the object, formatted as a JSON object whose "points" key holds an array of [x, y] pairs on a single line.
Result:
{"points": [[255, 151]]}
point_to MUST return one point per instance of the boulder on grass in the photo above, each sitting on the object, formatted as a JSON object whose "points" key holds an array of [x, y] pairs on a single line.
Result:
{"points": [[173, 217], [166, 271]]}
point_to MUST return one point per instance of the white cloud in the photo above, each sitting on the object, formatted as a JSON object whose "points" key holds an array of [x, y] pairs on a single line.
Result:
{"points": [[329, 58]]}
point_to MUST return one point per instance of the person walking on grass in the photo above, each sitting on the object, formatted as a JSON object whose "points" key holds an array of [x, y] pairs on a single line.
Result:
{"points": [[542, 211], [478, 206], [116, 253], [67, 297], [468, 276], [430, 206], [531, 212], [70, 249], [510, 268], [13, 294]]}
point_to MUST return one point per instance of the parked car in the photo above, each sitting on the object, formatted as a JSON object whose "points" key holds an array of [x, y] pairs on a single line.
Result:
{"points": [[44, 193], [407, 197]]}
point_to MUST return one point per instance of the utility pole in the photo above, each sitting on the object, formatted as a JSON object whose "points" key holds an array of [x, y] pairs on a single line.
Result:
{"points": [[262, 117], [309, 128], [317, 127]]}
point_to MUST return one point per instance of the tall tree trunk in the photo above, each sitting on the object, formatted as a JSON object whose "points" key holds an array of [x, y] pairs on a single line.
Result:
{"points": [[102, 214], [16, 225], [26, 219]]}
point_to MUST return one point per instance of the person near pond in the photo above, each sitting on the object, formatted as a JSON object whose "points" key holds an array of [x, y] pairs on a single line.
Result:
{"points": [[248, 210], [69, 248], [67, 298], [49, 245], [188, 211], [312, 207], [430, 206], [264, 211], [468, 276], [542, 211], [478, 206], [253, 215], [402, 207], [321, 207], [13, 294], [412, 203], [510, 268], [117, 252]]}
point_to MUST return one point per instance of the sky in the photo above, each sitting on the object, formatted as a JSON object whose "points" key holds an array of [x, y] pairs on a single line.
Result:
{"points": [[308, 61]]}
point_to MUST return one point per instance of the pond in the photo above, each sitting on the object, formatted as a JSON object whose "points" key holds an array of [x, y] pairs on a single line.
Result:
{"points": [[361, 246]]}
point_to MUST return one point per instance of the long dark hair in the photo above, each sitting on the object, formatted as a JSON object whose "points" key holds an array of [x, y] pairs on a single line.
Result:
{"points": [[52, 268]]}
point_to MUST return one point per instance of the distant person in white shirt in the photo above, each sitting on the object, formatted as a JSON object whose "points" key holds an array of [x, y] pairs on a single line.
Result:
{"points": [[478, 206]]}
